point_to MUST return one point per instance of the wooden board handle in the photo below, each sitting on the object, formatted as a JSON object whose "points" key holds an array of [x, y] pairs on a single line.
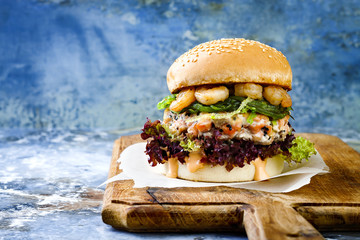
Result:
{"points": [[274, 220]]}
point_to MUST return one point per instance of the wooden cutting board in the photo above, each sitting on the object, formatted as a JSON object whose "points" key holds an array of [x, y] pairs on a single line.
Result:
{"points": [[331, 202]]}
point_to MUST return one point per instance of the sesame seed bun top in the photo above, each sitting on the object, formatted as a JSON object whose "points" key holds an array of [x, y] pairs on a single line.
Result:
{"points": [[230, 61]]}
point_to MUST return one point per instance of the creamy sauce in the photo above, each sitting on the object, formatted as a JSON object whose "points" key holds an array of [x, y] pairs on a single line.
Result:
{"points": [[193, 162], [173, 168], [260, 171]]}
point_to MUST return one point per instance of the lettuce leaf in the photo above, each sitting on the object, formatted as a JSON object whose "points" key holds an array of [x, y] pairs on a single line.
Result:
{"points": [[167, 130], [231, 104], [265, 108], [229, 153], [251, 117], [166, 101], [190, 145], [241, 109], [187, 144], [301, 149]]}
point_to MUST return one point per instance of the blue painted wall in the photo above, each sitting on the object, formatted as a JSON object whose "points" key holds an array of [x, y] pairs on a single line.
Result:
{"points": [[102, 64]]}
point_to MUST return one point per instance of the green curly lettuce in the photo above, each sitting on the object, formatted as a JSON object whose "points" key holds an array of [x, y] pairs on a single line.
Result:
{"points": [[301, 149], [187, 144], [190, 145], [167, 130], [166, 101]]}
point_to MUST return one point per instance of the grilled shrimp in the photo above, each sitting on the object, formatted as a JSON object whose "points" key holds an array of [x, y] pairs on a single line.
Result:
{"points": [[274, 94], [251, 90], [286, 102], [183, 100], [277, 95], [211, 95]]}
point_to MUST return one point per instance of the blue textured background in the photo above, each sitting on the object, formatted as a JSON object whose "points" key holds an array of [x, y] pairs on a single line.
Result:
{"points": [[74, 72], [102, 64]]}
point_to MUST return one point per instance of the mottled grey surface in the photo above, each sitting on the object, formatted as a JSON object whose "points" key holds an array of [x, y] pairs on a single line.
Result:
{"points": [[85, 64], [49, 188], [102, 64]]}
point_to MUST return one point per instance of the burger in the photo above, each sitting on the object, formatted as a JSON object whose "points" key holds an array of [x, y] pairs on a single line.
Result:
{"points": [[227, 118]]}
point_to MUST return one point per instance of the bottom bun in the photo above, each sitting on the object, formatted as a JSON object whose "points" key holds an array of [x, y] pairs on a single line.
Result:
{"points": [[274, 166]]}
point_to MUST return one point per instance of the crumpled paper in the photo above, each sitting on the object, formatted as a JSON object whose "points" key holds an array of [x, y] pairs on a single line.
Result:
{"points": [[133, 162]]}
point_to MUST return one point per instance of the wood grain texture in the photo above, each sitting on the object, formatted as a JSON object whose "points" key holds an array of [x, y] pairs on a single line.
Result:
{"points": [[329, 202]]}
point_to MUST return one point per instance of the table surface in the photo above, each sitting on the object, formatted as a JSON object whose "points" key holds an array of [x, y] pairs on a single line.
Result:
{"points": [[49, 187]]}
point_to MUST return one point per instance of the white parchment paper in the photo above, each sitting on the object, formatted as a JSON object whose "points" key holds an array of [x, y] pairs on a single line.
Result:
{"points": [[133, 162]]}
